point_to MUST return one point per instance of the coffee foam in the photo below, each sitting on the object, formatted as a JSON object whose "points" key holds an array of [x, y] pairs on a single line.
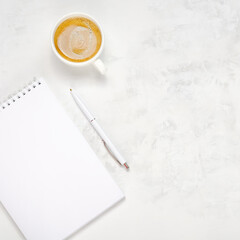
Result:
{"points": [[77, 42]]}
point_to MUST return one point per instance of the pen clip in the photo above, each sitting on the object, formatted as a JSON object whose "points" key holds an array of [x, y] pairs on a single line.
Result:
{"points": [[113, 156]]}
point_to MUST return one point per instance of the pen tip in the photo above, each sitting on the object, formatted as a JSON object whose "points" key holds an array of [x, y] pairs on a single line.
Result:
{"points": [[126, 165], [70, 89]]}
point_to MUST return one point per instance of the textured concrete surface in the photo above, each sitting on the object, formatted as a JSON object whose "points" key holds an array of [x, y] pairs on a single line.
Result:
{"points": [[169, 100]]}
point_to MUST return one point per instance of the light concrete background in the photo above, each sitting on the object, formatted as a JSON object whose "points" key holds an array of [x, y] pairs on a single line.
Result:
{"points": [[170, 100]]}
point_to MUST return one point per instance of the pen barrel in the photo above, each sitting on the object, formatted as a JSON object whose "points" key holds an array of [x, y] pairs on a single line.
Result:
{"points": [[82, 106], [97, 128], [109, 144]]}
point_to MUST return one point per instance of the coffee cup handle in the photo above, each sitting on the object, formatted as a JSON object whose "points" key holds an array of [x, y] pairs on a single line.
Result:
{"points": [[99, 65]]}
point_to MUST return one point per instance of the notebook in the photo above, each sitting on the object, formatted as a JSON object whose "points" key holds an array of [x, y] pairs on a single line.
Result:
{"points": [[51, 182]]}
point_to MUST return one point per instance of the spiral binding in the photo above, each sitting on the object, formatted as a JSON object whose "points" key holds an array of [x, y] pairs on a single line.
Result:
{"points": [[21, 93]]}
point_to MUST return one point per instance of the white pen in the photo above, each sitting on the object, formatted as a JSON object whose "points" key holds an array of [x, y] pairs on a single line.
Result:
{"points": [[108, 144]]}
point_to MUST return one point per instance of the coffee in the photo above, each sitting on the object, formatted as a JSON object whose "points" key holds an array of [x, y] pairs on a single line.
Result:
{"points": [[77, 39]]}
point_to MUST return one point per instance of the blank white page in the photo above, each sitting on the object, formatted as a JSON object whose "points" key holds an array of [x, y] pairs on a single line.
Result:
{"points": [[51, 182]]}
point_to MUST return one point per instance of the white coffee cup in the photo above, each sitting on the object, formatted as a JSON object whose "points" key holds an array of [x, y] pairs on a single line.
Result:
{"points": [[96, 61]]}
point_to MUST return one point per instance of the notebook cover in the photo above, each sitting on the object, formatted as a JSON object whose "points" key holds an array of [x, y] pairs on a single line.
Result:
{"points": [[51, 182]]}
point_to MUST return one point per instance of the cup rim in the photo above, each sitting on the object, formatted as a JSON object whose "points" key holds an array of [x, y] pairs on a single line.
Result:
{"points": [[59, 21]]}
